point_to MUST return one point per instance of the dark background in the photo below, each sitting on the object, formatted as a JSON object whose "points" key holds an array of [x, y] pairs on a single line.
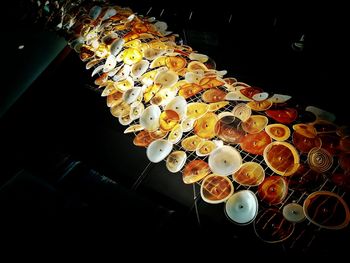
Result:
{"points": [[67, 166], [256, 45], [253, 41]]}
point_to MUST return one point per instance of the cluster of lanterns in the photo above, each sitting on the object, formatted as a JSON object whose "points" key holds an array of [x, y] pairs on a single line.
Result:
{"points": [[204, 124]]}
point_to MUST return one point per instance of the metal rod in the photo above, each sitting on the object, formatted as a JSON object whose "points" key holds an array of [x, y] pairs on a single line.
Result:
{"points": [[195, 197], [189, 18], [161, 13], [149, 10], [142, 176]]}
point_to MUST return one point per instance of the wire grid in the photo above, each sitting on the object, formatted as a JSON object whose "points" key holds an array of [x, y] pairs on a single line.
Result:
{"points": [[304, 232], [309, 231]]}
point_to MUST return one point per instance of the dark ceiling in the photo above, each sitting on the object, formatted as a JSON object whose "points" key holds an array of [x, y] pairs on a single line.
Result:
{"points": [[253, 41]]}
